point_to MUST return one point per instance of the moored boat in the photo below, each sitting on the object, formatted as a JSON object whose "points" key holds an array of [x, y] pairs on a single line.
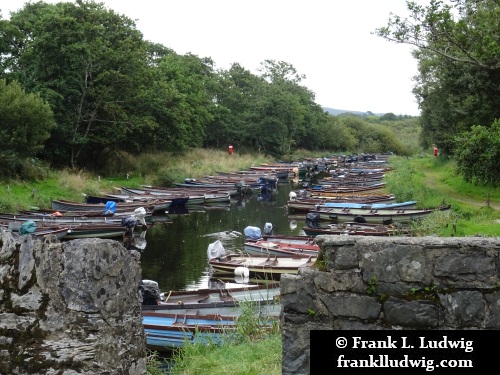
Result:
{"points": [[378, 216], [281, 247], [264, 266], [358, 229], [299, 205], [165, 331], [223, 301]]}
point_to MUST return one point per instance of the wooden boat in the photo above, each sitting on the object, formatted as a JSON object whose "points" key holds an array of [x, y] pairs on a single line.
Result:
{"points": [[165, 332], [378, 216], [194, 191], [194, 197], [346, 190], [67, 220], [265, 266], [221, 301], [59, 232], [279, 175], [329, 186], [281, 247], [272, 168], [176, 200], [358, 229], [307, 205], [95, 231], [155, 204], [66, 205], [360, 198], [193, 184], [340, 182], [252, 179], [118, 213]]}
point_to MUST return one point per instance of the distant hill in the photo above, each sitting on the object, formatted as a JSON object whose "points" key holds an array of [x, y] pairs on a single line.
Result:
{"points": [[336, 112]]}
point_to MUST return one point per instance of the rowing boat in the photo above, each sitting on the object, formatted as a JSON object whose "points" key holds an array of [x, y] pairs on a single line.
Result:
{"points": [[265, 266], [378, 216]]}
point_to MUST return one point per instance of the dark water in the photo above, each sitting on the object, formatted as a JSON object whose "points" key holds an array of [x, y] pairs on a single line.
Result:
{"points": [[175, 255]]}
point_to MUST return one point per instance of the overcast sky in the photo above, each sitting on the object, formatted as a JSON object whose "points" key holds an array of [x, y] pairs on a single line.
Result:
{"points": [[328, 41]]}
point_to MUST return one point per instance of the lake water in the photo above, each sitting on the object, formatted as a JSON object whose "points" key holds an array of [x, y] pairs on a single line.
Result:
{"points": [[175, 254]]}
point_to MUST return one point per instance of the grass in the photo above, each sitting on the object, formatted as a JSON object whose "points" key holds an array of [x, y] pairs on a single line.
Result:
{"points": [[432, 182], [250, 358], [159, 169]]}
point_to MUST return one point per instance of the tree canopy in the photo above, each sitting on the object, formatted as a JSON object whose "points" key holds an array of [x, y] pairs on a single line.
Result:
{"points": [[108, 90], [458, 53], [26, 121]]}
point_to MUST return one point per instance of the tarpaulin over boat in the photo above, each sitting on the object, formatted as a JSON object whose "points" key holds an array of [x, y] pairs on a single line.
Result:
{"points": [[216, 250], [110, 207], [313, 220], [253, 233], [29, 226]]}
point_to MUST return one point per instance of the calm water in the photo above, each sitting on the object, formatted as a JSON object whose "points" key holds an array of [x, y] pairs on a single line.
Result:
{"points": [[175, 255]]}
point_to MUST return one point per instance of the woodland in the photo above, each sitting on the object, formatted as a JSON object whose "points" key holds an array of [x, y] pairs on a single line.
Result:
{"points": [[80, 85]]}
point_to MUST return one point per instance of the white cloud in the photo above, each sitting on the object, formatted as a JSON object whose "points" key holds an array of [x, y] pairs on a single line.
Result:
{"points": [[328, 41]]}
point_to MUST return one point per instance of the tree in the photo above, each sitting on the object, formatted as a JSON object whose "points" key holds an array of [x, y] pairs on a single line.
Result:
{"points": [[458, 53], [235, 95], [89, 64], [477, 153], [388, 117], [26, 121], [180, 101]]}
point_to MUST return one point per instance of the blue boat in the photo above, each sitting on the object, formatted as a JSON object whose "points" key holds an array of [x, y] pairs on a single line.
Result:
{"points": [[166, 331]]}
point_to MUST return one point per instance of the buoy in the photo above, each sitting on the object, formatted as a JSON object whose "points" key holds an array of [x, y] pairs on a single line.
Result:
{"points": [[241, 271]]}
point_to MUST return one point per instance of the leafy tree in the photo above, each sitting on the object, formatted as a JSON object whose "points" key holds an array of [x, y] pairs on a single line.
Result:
{"points": [[180, 101], [458, 53], [235, 95], [296, 117], [89, 64], [335, 136], [388, 117], [26, 121], [477, 153]]}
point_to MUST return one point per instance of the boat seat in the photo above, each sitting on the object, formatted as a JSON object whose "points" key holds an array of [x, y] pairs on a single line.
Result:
{"points": [[268, 263]]}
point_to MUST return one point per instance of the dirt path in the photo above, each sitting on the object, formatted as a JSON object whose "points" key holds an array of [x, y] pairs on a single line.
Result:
{"points": [[443, 188]]}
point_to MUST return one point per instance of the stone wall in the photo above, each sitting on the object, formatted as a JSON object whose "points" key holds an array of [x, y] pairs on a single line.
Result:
{"points": [[69, 308], [393, 283]]}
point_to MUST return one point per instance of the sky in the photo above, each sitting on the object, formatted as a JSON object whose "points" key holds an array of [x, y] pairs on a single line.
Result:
{"points": [[330, 42]]}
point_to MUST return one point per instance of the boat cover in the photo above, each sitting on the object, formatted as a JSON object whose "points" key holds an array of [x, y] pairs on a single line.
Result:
{"points": [[216, 250], [253, 233], [150, 292], [29, 226], [129, 222], [110, 207], [313, 220], [268, 229]]}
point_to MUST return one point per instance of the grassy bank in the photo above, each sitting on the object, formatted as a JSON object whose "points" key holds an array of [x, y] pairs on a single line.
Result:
{"points": [[159, 169], [475, 210]]}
